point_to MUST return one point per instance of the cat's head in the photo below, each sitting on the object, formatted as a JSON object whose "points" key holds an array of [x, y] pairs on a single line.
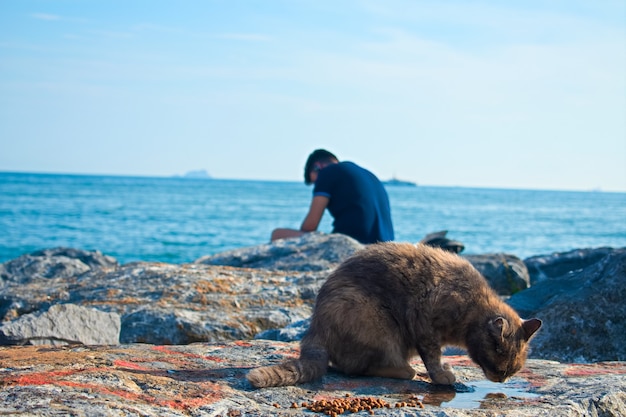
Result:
{"points": [[501, 346]]}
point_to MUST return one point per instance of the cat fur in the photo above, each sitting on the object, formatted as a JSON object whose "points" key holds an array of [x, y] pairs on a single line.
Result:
{"points": [[392, 301]]}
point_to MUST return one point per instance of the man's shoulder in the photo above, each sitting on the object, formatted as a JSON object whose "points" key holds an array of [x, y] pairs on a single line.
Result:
{"points": [[340, 168], [357, 170], [346, 170], [350, 167]]}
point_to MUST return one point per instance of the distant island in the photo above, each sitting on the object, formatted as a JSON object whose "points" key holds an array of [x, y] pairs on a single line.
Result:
{"points": [[195, 174], [402, 183]]}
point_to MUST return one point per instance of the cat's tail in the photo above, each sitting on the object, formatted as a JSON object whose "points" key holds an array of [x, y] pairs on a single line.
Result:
{"points": [[311, 365]]}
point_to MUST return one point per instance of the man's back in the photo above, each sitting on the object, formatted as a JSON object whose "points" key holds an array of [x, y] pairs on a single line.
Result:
{"points": [[358, 202]]}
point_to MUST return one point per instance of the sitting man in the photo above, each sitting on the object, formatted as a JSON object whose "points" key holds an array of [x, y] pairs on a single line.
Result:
{"points": [[355, 198]]}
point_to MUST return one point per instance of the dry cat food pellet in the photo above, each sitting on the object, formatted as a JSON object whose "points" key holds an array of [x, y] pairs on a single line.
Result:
{"points": [[339, 406]]}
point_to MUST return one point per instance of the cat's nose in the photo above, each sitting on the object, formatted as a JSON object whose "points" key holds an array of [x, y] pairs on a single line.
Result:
{"points": [[497, 377]]}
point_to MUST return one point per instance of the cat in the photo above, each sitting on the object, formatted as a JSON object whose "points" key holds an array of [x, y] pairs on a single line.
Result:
{"points": [[391, 301]]}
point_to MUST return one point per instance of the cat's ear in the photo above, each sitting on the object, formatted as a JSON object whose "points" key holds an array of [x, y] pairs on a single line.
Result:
{"points": [[530, 327], [499, 326]]}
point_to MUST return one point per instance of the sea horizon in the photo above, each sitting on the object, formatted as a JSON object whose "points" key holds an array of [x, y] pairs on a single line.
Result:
{"points": [[295, 181]]}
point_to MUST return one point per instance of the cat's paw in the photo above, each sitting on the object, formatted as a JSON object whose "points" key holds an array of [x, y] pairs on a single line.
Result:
{"points": [[443, 376]]}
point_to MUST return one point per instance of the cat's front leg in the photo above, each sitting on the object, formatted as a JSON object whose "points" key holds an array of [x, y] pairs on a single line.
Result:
{"points": [[440, 373], [443, 375]]}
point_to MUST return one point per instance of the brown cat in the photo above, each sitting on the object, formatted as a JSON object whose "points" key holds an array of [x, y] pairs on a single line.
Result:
{"points": [[392, 301]]}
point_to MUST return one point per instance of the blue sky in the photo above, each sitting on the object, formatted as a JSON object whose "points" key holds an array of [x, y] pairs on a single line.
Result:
{"points": [[517, 94]]}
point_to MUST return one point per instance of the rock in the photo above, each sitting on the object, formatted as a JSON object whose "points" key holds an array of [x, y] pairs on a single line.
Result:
{"points": [[506, 274], [583, 312], [63, 324], [42, 268], [321, 252], [312, 252], [54, 263], [161, 303], [558, 264], [290, 333], [175, 304], [209, 380]]}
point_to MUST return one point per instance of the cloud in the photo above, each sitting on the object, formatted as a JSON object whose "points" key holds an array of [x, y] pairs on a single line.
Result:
{"points": [[45, 16], [247, 37], [57, 18]]}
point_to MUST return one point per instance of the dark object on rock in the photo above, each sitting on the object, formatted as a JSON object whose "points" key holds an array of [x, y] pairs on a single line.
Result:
{"points": [[439, 240], [507, 274]]}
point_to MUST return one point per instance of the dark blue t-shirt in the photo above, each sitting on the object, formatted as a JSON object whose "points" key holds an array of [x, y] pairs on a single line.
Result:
{"points": [[358, 202]]}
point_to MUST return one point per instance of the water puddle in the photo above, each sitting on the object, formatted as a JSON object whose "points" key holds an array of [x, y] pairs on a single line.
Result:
{"points": [[482, 393], [478, 394]]}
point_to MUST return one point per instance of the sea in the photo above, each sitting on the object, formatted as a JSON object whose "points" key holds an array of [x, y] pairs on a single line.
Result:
{"points": [[179, 219]]}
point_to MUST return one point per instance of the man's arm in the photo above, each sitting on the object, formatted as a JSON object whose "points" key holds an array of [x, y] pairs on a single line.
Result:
{"points": [[310, 223], [316, 211]]}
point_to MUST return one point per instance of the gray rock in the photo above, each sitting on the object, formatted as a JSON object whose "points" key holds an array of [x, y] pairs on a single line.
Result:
{"points": [[318, 252], [51, 272], [543, 267], [54, 263], [290, 333], [583, 312], [506, 274], [63, 324], [312, 252], [162, 303]]}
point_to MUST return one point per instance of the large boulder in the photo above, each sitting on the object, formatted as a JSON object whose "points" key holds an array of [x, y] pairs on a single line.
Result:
{"points": [[311, 252], [316, 251], [172, 304], [54, 263], [558, 264], [583, 312], [52, 270], [506, 274], [63, 324]]}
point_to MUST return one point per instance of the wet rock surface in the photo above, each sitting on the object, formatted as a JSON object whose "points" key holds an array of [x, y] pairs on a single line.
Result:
{"points": [[209, 380]]}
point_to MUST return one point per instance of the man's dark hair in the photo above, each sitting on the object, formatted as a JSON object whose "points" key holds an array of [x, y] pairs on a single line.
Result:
{"points": [[318, 155]]}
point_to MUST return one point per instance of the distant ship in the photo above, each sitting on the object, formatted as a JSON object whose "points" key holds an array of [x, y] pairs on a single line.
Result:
{"points": [[397, 182]]}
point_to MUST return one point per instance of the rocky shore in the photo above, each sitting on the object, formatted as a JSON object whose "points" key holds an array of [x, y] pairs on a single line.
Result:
{"points": [[84, 335]]}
